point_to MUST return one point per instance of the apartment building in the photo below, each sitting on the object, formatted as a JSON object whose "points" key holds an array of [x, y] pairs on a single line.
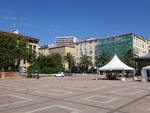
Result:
{"points": [[111, 45], [86, 47], [141, 45], [67, 40], [120, 44]]}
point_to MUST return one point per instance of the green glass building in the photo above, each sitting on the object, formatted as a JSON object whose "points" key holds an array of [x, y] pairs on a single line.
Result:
{"points": [[118, 45]]}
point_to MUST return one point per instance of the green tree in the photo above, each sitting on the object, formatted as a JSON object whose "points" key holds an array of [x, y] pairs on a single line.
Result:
{"points": [[70, 60], [58, 61], [24, 52], [13, 51], [47, 64], [34, 68], [102, 59], [7, 52], [128, 57], [85, 62]]}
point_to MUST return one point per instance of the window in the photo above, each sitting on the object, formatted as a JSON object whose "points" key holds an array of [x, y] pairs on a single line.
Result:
{"points": [[90, 52], [30, 46], [85, 52], [34, 47], [143, 46], [95, 41]]}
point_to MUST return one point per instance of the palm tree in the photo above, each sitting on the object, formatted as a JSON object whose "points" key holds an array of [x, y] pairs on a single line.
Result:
{"points": [[86, 62], [102, 59], [70, 60]]}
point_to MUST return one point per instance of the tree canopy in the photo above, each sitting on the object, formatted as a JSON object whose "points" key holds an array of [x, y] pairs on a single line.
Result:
{"points": [[13, 51], [102, 59], [128, 57], [47, 64], [7, 51]]}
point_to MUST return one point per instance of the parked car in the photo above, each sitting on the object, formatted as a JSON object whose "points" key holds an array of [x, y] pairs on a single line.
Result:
{"points": [[60, 74], [22, 70]]}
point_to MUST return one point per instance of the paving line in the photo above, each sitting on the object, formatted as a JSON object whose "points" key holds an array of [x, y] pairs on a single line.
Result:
{"points": [[132, 102]]}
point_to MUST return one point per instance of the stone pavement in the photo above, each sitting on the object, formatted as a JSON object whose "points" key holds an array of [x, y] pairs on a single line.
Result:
{"points": [[75, 94]]}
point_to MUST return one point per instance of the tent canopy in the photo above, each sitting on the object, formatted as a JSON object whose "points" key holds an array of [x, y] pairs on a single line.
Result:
{"points": [[147, 68], [115, 64]]}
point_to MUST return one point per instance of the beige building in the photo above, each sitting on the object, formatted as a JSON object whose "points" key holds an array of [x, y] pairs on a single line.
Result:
{"points": [[63, 50], [44, 50]]}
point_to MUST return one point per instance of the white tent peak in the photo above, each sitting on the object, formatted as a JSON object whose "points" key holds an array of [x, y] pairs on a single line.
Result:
{"points": [[115, 64]]}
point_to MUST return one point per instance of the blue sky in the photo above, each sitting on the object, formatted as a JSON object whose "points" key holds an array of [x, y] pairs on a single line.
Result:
{"points": [[47, 19]]}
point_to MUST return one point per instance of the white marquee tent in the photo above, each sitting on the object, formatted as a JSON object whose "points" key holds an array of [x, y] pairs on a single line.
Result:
{"points": [[145, 75], [115, 64]]}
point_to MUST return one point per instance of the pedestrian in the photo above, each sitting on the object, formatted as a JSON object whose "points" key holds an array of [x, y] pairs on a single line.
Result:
{"points": [[37, 74]]}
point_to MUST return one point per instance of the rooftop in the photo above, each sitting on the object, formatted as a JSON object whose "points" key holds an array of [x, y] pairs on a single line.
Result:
{"points": [[110, 37], [61, 46], [65, 37], [19, 35], [124, 34]]}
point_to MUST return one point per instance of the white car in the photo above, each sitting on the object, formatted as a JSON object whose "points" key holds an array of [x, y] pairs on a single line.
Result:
{"points": [[60, 74], [23, 70]]}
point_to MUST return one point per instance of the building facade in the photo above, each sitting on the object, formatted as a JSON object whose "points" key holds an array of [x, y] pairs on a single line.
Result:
{"points": [[68, 40], [44, 50], [119, 45], [86, 47], [122, 43], [63, 50], [141, 45]]}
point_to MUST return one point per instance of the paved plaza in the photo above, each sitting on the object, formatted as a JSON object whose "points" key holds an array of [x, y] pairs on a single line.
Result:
{"points": [[74, 94]]}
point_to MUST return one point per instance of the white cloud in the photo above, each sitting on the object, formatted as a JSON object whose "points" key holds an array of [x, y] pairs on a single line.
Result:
{"points": [[9, 18], [7, 15]]}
